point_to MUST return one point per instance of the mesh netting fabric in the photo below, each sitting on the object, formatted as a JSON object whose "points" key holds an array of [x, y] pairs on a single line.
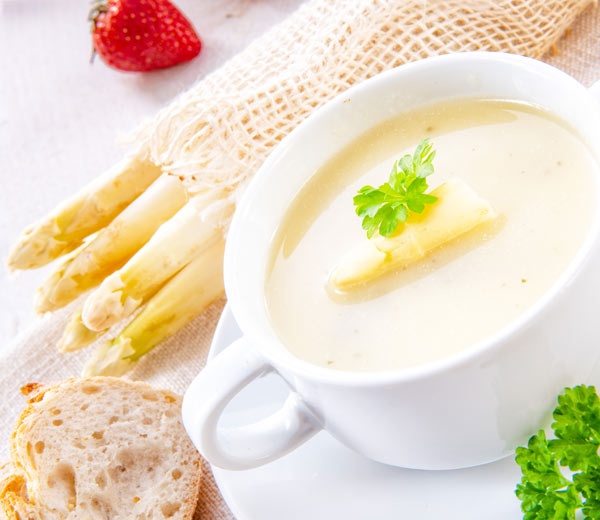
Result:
{"points": [[218, 133]]}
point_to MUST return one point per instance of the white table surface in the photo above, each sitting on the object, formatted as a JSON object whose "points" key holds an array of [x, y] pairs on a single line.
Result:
{"points": [[60, 117]]}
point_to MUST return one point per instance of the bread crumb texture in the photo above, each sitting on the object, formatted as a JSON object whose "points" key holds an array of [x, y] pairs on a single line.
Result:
{"points": [[101, 448]]}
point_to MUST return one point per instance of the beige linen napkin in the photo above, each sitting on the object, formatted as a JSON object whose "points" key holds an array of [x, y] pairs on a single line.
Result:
{"points": [[530, 27]]}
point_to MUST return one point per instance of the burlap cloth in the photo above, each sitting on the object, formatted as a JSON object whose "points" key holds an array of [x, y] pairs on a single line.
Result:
{"points": [[33, 357]]}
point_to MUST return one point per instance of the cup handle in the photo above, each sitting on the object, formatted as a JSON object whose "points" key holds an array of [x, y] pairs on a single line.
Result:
{"points": [[246, 446]]}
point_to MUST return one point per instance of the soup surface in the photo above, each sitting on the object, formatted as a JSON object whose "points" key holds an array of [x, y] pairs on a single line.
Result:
{"points": [[537, 174]]}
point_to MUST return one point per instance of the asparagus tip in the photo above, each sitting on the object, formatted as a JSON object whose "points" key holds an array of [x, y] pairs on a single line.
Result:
{"points": [[110, 359], [76, 335]]}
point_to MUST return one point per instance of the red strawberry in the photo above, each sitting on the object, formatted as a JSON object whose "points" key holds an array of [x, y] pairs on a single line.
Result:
{"points": [[142, 35]]}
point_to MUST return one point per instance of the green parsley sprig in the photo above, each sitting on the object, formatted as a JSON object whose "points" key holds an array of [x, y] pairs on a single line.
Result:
{"points": [[547, 494], [384, 207]]}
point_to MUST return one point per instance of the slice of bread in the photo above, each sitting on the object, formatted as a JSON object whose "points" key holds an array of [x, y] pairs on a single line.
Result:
{"points": [[101, 448]]}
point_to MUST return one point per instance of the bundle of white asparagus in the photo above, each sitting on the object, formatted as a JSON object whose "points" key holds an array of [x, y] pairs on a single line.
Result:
{"points": [[150, 232]]}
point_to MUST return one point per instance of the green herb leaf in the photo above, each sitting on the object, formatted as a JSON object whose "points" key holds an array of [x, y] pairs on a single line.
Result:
{"points": [[384, 207], [545, 493]]}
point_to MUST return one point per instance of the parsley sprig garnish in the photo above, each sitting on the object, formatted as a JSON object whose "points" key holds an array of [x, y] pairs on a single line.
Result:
{"points": [[547, 494], [384, 207]]}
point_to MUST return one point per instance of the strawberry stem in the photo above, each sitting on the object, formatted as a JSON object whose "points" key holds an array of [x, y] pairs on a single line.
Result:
{"points": [[98, 8]]}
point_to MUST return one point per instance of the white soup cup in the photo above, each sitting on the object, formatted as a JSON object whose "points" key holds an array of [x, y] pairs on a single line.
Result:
{"points": [[467, 409]]}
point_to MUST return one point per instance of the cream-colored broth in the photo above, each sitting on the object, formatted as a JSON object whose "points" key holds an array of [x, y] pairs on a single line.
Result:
{"points": [[536, 173]]}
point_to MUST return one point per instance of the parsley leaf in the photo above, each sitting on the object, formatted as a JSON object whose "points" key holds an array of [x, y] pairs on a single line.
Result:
{"points": [[545, 493], [384, 207]]}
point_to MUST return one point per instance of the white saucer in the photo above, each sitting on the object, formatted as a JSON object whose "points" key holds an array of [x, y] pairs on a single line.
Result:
{"points": [[324, 480]]}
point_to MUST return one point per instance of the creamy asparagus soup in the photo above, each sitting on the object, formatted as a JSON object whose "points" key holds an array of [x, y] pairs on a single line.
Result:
{"points": [[530, 176]]}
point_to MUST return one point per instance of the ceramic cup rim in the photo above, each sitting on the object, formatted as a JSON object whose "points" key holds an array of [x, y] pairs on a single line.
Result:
{"points": [[275, 351]]}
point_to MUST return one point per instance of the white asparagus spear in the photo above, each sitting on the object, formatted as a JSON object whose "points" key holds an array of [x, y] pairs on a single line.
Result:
{"points": [[86, 212], [183, 298], [113, 245], [76, 335], [458, 210], [173, 246]]}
